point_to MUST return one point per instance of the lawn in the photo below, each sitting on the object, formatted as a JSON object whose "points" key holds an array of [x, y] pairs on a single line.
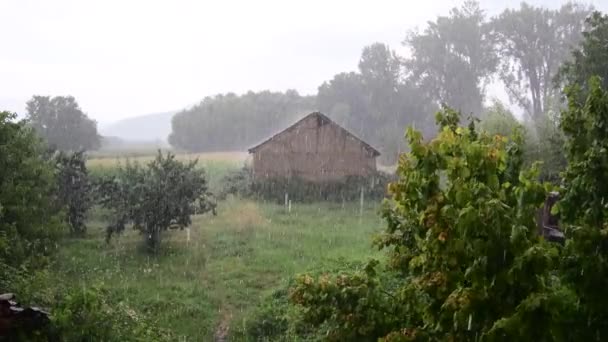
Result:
{"points": [[215, 274]]}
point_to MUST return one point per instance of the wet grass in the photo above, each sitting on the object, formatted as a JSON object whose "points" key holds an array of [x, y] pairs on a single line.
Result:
{"points": [[227, 266]]}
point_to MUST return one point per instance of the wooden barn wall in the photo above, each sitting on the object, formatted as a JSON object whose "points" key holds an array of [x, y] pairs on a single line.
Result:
{"points": [[313, 153]]}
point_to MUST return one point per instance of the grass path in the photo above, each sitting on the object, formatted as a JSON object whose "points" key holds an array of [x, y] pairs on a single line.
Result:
{"points": [[203, 287]]}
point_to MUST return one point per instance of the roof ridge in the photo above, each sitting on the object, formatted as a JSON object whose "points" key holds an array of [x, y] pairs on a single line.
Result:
{"points": [[323, 116]]}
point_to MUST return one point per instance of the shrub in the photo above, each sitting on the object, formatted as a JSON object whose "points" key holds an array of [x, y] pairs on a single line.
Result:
{"points": [[155, 198], [74, 189], [29, 218], [464, 254]]}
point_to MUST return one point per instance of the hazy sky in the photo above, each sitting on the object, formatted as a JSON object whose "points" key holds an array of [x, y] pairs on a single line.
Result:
{"points": [[123, 58]]}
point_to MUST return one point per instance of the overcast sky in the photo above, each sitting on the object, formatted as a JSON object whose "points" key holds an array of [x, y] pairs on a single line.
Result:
{"points": [[122, 58]]}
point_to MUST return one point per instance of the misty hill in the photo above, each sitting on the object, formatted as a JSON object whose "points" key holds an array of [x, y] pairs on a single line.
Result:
{"points": [[150, 127]]}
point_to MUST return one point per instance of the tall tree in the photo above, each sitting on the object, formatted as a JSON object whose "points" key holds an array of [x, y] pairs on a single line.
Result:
{"points": [[376, 102], [62, 123], [591, 58], [453, 58], [534, 42]]}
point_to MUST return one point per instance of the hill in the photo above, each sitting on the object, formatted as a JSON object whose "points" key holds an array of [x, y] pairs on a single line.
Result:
{"points": [[144, 128]]}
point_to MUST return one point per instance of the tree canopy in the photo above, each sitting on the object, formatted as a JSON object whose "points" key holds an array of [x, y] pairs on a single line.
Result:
{"points": [[591, 57], [376, 102], [453, 57], [231, 122], [62, 123], [535, 41], [156, 197]]}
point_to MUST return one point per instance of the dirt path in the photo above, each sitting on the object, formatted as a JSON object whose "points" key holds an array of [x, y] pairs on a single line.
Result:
{"points": [[223, 328]]}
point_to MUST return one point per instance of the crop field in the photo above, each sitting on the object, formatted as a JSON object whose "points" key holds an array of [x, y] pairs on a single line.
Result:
{"points": [[216, 164], [207, 280]]}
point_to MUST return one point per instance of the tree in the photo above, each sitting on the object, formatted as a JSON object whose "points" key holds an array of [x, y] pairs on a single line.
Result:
{"points": [[535, 41], [375, 103], [61, 122], [453, 58], [590, 58], [231, 122], [582, 208], [155, 198], [465, 261], [29, 218], [498, 119], [74, 189]]}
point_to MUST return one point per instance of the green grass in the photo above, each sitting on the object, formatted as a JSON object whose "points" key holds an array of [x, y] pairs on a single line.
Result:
{"points": [[231, 263]]}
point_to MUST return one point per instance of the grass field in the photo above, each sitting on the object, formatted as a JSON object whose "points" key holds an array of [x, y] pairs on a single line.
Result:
{"points": [[216, 164], [227, 266]]}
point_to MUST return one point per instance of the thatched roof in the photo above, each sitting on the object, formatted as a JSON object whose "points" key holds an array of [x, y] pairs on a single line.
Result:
{"points": [[325, 120]]}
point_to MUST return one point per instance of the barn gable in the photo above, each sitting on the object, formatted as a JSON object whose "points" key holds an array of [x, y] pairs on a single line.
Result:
{"points": [[315, 149], [321, 119]]}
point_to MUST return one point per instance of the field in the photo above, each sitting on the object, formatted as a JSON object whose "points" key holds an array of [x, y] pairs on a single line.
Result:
{"points": [[215, 164], [208, 279]]}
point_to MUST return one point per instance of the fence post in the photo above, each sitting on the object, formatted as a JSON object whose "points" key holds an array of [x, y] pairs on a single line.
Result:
{"points": [[361, 205], [286, 200]]}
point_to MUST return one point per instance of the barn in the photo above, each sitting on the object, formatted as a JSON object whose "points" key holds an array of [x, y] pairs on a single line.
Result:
{"points": [[314, 149]]}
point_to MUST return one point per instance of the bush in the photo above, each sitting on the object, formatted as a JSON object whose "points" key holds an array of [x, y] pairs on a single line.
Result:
{"points": [[464, 256], [74, 189], [276, 319], [90, 314]]}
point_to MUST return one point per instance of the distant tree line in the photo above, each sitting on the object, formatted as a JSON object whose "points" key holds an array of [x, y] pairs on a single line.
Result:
{"points": [[450, 62], [233, 122]]}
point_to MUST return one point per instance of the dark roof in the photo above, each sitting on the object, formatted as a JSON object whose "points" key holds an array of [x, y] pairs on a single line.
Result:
{"points": [[323, 118]]}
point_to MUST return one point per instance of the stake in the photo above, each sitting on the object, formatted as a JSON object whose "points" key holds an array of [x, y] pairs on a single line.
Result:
{"points": [[286, 200], [361, 206]]}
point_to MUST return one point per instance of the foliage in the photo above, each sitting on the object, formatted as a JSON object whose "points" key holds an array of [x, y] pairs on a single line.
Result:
{"points": [[591, 57], [29, 220], [535, 41], [61, 122], [88, 313], [237, 183], [498, 119], [162, 195], [453, 58], [74, 189], [231, 122], [463, 250], [543, 140], [583, 208], [79, 313], [545, 143], [375, 103]]}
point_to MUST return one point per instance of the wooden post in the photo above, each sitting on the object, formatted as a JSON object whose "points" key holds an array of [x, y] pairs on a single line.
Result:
{"points": [[286, 200], [361, 205], [289, 210]]}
